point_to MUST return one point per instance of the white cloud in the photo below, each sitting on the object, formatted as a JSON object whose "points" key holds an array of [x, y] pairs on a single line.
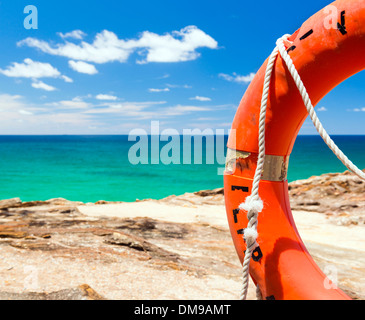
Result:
{"points": [[165, 76], [25, 112], [82, 67], [225, 124], [31, 69], [238, 78], [359, 110], [107, 47], [175, 47], [142, 110], [20, 117], [66, 79], [10, 102], [159, 90], [75, 103], [12, 107], [207, 119], [181, 109], [34, 70], [43, 86], [106, 97], [199, 98], [76, 34], [127, 109], [76, 116], [320, 109], [184, 86]]}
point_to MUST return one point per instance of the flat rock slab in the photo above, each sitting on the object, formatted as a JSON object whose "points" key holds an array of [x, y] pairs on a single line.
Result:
{"points": [[57, 248]]}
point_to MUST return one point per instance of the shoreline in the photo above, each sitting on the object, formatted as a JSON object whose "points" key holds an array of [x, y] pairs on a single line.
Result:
{"points": [[334, 194]]}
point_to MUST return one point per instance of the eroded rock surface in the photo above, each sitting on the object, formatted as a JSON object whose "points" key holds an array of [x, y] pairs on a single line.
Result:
{"points": [[341, 196], [48, 248], [51, 250]]}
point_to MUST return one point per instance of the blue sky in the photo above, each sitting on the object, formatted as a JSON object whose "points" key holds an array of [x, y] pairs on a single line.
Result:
{"points": [[109, 67]]}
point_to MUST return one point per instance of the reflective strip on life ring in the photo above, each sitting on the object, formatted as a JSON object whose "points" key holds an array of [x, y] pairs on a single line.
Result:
{"points": [[281, 265]]}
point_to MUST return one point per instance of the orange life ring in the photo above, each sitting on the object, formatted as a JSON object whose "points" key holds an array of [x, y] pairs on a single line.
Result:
{"points": [[281, 265]]}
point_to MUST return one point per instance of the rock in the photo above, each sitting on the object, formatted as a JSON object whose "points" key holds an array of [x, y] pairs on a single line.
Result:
{"points": [[62, 202], [32, 204], [205, 193], [10, 203], [120, 258], [12, 234], [124, 240], [204, 197], [101, 202], [12, 231], [40, 245], [140, 244], [331, 193], [83, 292]]}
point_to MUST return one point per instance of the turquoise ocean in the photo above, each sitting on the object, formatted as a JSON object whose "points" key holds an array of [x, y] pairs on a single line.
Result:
{"points": [[92, 168]]}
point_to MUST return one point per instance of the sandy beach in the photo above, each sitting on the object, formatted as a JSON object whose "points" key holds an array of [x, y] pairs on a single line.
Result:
{"points": [[175, 248]]}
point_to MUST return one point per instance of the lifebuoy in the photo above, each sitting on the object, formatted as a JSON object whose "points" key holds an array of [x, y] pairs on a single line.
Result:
{"points": [[324, 57]]}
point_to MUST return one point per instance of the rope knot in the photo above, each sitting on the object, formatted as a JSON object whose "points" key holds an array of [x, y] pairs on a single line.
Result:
{"points": [[250, 236], [252, 204]]}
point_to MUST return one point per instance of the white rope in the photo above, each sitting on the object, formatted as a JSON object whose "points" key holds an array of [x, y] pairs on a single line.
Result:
{"points": [[253, 204], [308, 104]]}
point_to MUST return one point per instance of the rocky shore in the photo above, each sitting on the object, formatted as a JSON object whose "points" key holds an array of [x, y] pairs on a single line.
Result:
{"points": [[341, 197], [175, 248]]}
